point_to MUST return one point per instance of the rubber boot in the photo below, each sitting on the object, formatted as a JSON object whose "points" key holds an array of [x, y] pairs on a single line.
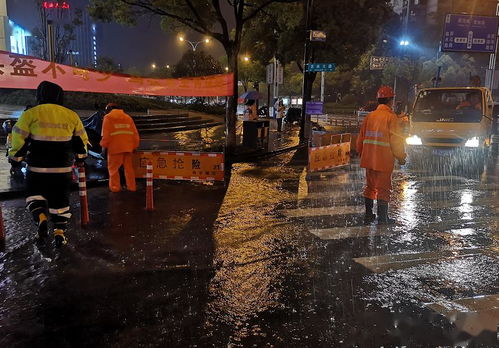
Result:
{"points": [[383, 218], [369, 217], [60, 238], [43, 228]]}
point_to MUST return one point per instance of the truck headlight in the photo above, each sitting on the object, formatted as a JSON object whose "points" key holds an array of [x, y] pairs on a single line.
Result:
{"points": [[414, 140], [473, 142]]}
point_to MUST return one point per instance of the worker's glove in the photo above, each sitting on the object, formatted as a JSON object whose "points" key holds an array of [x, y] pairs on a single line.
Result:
{"points": [[401, 162]]}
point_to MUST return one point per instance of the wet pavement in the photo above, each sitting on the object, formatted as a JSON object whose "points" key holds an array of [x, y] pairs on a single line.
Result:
{"points": [[275, 258]]}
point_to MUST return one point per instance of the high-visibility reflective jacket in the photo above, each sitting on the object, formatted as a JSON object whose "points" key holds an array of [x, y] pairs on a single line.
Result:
{"points": [[119, 133], [380, 140], [50, 136]]}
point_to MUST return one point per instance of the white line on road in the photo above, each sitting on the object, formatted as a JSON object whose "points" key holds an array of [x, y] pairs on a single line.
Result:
{"points": [[384, 263]]}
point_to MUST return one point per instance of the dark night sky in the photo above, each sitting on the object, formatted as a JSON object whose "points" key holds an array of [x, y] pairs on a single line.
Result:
{"points": [[138, 46]]}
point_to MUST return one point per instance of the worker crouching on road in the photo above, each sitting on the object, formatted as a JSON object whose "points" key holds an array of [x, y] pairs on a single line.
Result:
{"points": [[120, 138], [379, 144], [51, 137]]}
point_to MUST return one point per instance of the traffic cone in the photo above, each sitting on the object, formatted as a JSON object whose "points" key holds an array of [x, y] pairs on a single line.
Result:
{"points": [[149, 188], [82, 184]]}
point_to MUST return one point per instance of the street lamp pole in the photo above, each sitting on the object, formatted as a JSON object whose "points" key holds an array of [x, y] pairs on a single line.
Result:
{"points": [[305, 124], [194, 44]]}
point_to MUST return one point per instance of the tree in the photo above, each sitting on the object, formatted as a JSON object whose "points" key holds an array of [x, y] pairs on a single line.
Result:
{"points": [[352, 27], [196, 63], [65, 26], [208, 17], [107, 64], [251, 71]]}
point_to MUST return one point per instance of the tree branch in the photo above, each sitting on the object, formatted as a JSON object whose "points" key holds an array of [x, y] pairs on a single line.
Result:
{"points": [[263, 6]]}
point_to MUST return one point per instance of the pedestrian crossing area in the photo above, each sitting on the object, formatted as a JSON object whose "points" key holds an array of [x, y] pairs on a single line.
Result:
{"points": [[441, 220]]}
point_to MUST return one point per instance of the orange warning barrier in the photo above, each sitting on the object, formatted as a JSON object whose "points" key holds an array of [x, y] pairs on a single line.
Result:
{"points": [[149, 187], [24, 72], [82, 184], [330, 156], [194, 166]]}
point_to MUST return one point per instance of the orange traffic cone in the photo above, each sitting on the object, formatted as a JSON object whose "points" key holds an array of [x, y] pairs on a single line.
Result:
{"points": [[149, 188]]}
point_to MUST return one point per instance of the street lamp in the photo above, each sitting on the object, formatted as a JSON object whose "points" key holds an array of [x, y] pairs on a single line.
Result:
{"points": [[153, 66], [194, 44], [246, 59]]}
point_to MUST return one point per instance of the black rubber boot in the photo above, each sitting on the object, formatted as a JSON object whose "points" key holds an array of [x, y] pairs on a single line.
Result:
{"points": [[43, 228], [370, 216], [383, 218], [60, 238]]}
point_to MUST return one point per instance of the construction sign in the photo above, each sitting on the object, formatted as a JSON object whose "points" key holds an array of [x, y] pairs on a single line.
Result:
{"points": [[326, 157], [24, 72], [194, 166]]}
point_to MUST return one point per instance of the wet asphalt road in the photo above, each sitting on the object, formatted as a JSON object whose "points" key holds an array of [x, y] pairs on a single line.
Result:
{"points": [[274, 259]]}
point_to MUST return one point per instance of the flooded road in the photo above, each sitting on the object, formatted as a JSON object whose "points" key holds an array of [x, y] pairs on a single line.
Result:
{"points": [[277, 258]]}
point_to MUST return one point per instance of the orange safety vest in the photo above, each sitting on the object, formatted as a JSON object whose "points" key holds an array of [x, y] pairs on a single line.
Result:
{"points": [[380, 140], [119, 133]]}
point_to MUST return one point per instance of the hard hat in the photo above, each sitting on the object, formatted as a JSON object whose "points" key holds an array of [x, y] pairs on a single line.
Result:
{"points": [[111, 106], [385, 92]]}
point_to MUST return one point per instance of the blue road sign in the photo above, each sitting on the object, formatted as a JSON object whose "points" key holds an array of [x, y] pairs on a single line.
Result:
{"points": [[319, 67], [468, 33], [314, 108]]}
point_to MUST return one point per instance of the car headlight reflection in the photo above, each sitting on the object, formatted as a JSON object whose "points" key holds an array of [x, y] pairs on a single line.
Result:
{"points": [[414, 140], [473, 142]]}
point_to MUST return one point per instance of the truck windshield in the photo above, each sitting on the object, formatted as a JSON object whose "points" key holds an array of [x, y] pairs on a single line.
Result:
{"points": [[448, 106]]}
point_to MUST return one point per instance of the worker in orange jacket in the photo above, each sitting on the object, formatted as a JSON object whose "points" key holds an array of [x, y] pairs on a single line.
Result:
{"points": [[119, 139], [380, 142]]}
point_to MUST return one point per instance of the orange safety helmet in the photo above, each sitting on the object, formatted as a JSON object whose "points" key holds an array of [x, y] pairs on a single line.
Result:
{"points": [[110, 107], [385, 92]]}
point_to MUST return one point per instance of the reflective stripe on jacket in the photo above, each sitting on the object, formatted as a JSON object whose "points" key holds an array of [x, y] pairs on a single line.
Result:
{"points": [[380, 140], [50, 136], [119, 133]]}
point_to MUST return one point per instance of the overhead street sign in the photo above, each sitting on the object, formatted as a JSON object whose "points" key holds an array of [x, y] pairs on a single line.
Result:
{"points": [[468, 33], [317, 35], [379, 63], [319, 67]]}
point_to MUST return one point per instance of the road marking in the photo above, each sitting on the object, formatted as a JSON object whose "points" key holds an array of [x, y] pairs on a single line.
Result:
{"points": [[398, 208], [445, 228], [384, 263], [472, 315], [311, 212], [337, 233]]}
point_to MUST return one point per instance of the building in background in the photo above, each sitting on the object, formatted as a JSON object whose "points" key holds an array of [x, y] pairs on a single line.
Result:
{"points": [[82, 51], [20, 39], [4, 27]]}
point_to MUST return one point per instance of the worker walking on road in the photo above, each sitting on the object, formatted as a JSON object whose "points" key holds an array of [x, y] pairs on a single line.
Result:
{"points": [[51, 137], [119, 139], [379, 144]]}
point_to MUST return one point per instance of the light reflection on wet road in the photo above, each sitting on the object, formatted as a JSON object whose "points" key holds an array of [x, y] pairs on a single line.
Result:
{"points": [[276, 258]]}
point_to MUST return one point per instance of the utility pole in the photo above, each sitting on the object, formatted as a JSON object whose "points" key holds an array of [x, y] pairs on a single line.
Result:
{"points": [[323, 74], [305, 121]]}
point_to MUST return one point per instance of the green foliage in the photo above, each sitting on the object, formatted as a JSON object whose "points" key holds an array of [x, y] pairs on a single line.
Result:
{"points": [[251, 71], [196, 63], [107, 64], [90, 101]]}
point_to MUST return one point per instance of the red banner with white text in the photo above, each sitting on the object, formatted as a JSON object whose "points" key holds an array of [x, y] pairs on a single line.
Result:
{"points": [[23, 72]]}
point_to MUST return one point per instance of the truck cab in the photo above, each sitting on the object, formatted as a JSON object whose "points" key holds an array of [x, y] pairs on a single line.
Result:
{"points": [[444, 120]]}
